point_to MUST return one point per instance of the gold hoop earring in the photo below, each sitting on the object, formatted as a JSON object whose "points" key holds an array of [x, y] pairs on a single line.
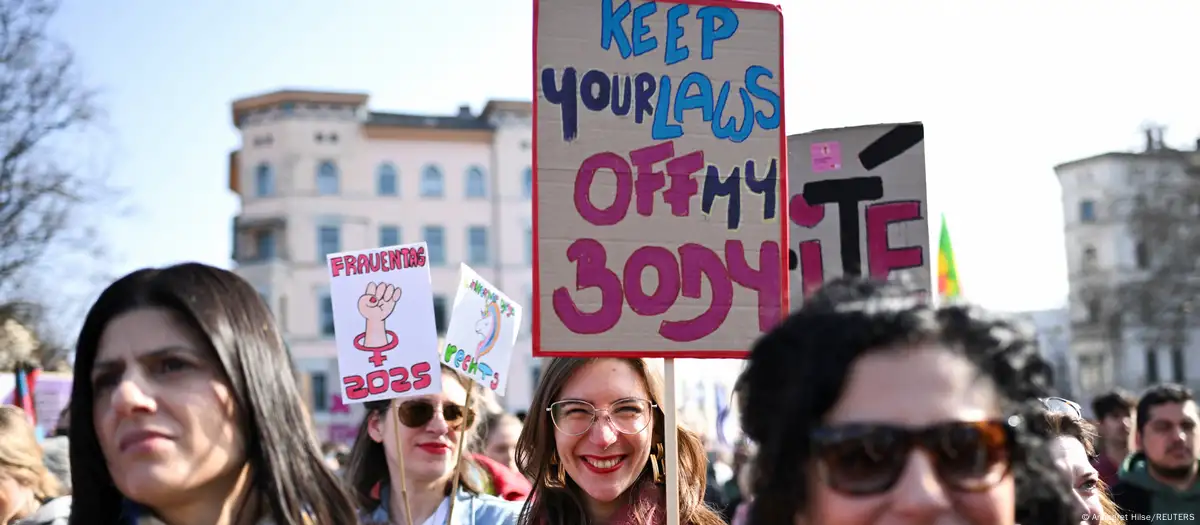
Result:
{"points": [[658, 464], [556, 475]]}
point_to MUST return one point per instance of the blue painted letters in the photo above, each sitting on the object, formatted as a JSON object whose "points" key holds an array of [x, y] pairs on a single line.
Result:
{"points": [[675, 31]]}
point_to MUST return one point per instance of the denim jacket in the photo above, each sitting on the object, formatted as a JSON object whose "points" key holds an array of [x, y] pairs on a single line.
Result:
{"points": [[468, 510]]}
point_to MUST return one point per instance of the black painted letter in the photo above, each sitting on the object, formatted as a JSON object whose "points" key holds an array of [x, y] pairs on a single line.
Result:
{"points": [[565, 97], [846, 193]]}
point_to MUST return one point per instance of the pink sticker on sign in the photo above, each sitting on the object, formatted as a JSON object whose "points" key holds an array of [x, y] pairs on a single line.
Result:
{"points": [[826, 156]]}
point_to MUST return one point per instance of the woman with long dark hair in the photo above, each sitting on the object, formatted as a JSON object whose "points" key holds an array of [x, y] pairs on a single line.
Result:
{"points": [[185, 410], [869, 404]]}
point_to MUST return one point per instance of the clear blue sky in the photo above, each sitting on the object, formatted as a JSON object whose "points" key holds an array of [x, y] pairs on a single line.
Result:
{"points": [[1006, 91]]}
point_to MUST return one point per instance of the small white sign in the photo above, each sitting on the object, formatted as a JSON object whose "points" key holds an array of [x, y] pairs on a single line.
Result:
{"points": [[483, 330], [384, 323]]}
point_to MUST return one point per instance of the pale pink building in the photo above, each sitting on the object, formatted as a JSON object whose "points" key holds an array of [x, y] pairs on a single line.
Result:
{"points": [[320, 172]]}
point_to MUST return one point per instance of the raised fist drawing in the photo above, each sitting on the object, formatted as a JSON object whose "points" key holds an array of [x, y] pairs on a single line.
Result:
{"points": [[375, 305], [378, 302]]}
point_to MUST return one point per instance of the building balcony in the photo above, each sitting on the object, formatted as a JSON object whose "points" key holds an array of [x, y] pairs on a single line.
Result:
{"points": [[260, 241]]}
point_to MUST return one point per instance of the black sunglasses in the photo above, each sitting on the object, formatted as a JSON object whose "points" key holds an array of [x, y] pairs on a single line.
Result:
{"points": [[419, 412], [868, 459]]}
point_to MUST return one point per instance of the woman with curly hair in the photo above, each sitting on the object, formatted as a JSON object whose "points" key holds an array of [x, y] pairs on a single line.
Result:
{"points": [[870, 405], [1072, 449]]}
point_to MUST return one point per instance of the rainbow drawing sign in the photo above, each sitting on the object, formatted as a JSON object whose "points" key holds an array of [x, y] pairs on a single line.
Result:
{"points": [[659, 177], [483, 330], [383, 323], [859, 205]]}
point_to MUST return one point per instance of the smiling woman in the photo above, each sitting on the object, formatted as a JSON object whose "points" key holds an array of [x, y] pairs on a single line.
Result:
{"points": [[593, 444], [185, 408]]}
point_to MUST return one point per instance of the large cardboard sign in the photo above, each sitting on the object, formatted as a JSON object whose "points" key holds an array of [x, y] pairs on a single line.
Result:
{"points": [[384, 323], [483, 330], [858, 205], [658, 177]]}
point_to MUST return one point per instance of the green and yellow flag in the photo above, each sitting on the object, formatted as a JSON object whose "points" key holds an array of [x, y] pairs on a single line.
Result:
{"points": [[948, 286]]}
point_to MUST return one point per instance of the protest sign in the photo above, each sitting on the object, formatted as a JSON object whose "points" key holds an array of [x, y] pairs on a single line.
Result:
{"points": [[53, 394], [482, 332], [658, 177], [381, 298], [858, 205]]}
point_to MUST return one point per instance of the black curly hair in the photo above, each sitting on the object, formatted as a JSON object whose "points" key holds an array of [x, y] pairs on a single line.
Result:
{"points": [[798, 371]]}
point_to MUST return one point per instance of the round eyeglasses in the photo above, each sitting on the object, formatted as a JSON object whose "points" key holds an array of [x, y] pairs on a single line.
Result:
{"points": [[627, 416]]}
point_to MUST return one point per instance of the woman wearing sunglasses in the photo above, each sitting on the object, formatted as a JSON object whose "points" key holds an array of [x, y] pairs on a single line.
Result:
{"points": [[430, 429], [185, 409], [1072, 450], [593, 444], [871, 406]]}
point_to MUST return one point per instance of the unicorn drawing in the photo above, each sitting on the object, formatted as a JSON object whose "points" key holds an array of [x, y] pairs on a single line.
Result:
{"points": [[489, 328]]}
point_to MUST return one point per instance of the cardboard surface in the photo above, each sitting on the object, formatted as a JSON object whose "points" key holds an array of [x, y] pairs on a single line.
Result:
{"points": [[658, 177], [882, 229]]}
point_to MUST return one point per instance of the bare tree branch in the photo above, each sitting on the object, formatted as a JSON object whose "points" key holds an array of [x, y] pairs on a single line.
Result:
{"points": [[1164, 221], [43, 104]]}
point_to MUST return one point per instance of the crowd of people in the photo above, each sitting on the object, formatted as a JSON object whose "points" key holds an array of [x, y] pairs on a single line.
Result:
{"points": [[868, 404]]}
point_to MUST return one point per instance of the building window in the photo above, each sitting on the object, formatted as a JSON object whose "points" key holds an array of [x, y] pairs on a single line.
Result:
{"points": [[282, 316], [527, 313], [1151, 366], [325, 321], [475, 183], [389, 236], [265, 295], [477, 245], [529, 245], [432, 183], [1089, 258], [1141, 255], [1146, 307], [327, 178], [264, 180], [435, 239], [528, 182], [320, 391], [1178, 366], [386, 180], [1093, 310], [329, 240], [1087, 211], [439, 313], [264, 245]]}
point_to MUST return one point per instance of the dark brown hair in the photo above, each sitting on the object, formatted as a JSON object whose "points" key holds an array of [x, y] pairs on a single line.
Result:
{"points": [[564, 505], [1113, 402], [793, 381], [367, 465], [288, 472]]}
